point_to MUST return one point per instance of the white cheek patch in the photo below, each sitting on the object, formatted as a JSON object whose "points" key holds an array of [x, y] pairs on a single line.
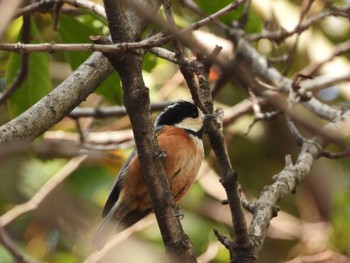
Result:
{"points": [[193, 124]]}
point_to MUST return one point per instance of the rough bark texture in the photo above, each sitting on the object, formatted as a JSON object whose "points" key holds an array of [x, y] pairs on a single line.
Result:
{"points": [[68, 95], [58, 103], [137, 103]]}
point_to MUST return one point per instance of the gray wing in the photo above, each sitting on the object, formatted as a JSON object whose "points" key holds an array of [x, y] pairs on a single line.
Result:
{"points": [[109, 222], [105, 229], [116, 187]]}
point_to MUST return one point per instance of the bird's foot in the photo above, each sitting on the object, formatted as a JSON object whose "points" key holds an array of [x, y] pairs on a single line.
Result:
{"points": [[179, 213]]}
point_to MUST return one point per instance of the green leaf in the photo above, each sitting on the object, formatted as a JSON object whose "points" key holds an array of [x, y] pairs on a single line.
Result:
{"points": [[149, 62], [211, 7], [38, 82], [254, 23], [73, 30]]}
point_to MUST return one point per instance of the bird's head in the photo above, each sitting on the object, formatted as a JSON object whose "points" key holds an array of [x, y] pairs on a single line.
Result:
{"points": [[185, 115]]}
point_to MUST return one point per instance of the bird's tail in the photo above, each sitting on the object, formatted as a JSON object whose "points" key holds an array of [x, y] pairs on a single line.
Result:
{"points": [[106, 228], [118, 218]]}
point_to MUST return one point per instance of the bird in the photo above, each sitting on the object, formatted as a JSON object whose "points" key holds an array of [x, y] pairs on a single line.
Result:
{"points": [[179, 131]]}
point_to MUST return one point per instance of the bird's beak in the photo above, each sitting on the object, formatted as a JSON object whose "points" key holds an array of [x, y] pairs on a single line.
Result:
{"points": [[209, 117]]}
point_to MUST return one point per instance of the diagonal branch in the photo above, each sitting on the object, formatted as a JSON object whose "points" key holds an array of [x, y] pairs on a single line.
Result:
{"points": [[288, 180], [58, 103], [40, 196], [33, 204], [6, 241], [70, 93]]}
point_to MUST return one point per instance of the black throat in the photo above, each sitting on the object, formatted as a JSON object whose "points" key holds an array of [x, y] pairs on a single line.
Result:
{"points": [[197, 134]]}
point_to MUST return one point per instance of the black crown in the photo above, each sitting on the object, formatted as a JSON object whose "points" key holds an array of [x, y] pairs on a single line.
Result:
{"points": [[176, 113]]}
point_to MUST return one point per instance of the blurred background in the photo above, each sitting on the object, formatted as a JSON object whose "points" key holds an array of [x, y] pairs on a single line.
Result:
{"points": [[68, 171]]}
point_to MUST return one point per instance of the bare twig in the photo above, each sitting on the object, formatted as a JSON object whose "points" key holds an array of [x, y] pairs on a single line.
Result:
{"points": [[48, 5], [57, 14], [98, 255], [259, 72], [53, 47], [211, 18], [242, 22], [112, 111], [291, 54], [294, 131], [340, 49], [338, 155], [324, 81], [195, 8], [279, 35], [258, 114], [8, 244], [287, 181], [40, 196], [240, 109]]}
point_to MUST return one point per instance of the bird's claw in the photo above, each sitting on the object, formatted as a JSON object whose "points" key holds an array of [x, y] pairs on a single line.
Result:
{"points": [[178, 213], [161, 154]]}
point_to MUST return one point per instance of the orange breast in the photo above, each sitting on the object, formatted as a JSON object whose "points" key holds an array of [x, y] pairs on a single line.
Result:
{"points": [[184, 155]]}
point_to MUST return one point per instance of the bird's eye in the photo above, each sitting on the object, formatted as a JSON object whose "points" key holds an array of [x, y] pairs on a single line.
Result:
{"points": [[194, 115]]}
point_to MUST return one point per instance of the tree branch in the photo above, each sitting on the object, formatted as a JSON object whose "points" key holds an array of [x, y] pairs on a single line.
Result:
{"points": [[7, 242], [40, 196], [113, 111], [288, 180], [281, 34], [47, 5], [70, 93], [58, 103], [129, 67], [33, 204]]}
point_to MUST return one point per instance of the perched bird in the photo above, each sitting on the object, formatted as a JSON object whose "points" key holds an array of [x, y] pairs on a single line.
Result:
{"points": [[179, 130]]}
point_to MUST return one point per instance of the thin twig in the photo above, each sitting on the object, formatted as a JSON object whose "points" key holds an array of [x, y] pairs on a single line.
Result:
{"points": [[117, 239], [213, 17], [242, 22], [11, 247], [338, 155], [291, 54], [40, 196], [279, 35], [294, 131], [47, 5], [56, 47], [339, 49], [112, 111]]}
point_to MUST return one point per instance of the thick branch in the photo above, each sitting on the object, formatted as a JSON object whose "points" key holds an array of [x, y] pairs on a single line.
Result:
{"points": [[250, 68], [63, 99], [288, 180], [57, 104], [129, 68]]}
